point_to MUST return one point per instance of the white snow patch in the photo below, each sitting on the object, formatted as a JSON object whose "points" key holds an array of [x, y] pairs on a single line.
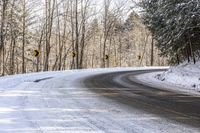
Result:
{"points": [[184, 77]]}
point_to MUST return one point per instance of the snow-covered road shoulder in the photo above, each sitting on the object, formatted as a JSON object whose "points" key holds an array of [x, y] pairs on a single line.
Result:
{"points": [[184, 77]]}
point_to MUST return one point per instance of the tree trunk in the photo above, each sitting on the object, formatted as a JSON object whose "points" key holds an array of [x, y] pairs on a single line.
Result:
{"points": [[2, 35], [77, 34], [152, 50], [191, 51], [23, 36]]}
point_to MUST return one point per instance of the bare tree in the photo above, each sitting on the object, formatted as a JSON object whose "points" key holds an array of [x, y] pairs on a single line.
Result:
{"points": [[2, 32], [50, 8], [71, 34]]}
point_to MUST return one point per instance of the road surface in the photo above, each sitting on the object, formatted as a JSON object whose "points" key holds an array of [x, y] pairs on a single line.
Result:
{"points": [[175, 106], [105, 103]]}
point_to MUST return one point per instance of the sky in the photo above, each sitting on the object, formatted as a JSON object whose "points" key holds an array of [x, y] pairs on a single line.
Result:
{"points": [[98, 6], [127, 5]]}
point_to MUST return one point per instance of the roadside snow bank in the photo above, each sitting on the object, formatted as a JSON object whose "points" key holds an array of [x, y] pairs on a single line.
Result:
{"points": [[185, 76]]}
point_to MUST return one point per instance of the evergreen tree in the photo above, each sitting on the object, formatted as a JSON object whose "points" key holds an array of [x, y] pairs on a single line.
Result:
{"points": [[175, 26]]}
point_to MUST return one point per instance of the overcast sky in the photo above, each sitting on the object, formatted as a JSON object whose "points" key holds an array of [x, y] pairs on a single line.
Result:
{"points": [[127, 5], [98, 5]]}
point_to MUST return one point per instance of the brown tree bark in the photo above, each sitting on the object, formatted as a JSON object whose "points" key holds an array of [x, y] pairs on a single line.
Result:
{"points": [[152, 51]]}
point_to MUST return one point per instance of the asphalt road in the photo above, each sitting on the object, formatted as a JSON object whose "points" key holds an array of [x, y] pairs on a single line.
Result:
{"points": [[175, 106]]}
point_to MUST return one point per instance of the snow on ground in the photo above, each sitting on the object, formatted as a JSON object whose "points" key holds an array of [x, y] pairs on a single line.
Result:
{"points": [[57, 102], [184, 77]]}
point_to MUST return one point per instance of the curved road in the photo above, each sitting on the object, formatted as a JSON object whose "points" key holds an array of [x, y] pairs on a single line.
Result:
{"points": [[77, 102], [179, 107]]}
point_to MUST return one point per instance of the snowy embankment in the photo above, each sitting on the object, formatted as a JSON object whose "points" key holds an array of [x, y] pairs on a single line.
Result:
{"points": [[184, 77]]}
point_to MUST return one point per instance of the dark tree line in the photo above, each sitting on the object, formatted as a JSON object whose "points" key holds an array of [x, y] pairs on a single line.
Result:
{"points": [[175, 25]]}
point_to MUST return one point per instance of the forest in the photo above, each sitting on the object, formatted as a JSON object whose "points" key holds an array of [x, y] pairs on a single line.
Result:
{"points": [[54, 35]]}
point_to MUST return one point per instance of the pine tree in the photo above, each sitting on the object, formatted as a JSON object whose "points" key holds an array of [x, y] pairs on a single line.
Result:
{"points": [[175, 26]]}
